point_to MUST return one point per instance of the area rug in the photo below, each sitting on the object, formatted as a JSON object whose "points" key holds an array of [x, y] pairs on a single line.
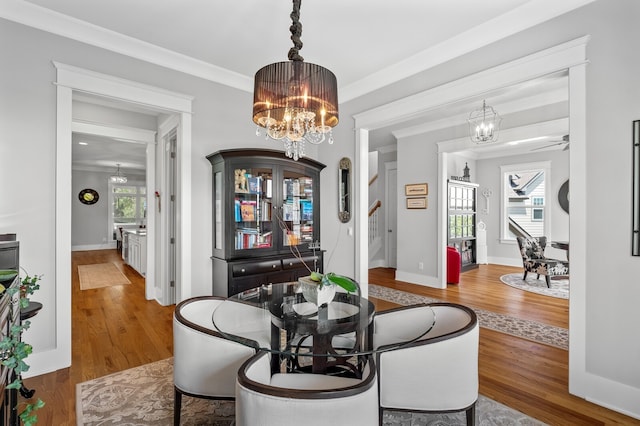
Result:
{"points": [[559, 286], [100, 275], [525, 329], [144, 396]]}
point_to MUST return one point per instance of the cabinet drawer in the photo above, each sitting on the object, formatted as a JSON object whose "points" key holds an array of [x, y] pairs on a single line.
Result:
{"points": [[245, 269], [295, 263]]}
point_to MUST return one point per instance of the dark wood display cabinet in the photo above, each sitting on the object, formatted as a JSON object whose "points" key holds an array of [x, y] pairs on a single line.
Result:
{"points": [[462, 221], [266, 219]]}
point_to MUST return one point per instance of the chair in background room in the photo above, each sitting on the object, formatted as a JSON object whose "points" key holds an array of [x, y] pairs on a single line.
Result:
{"points": [[437, 372], [534, 260], [304, 399], [205, 363]]}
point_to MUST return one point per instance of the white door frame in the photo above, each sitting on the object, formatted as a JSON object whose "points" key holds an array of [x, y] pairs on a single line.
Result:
{"points": [[68, 80], [135, 135], [570, 56], [390, 203]]}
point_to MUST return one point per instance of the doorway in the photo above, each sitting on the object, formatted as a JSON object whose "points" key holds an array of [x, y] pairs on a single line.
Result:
{"points": [[72, 79], [391, 216], [569, 56]]}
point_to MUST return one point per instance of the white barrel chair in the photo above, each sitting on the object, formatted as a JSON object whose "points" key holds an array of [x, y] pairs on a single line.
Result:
{"points": [[205, 363], [437, 372], [294, 399]]}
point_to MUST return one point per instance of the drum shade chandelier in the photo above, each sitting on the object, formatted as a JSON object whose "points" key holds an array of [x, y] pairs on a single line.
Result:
{"points": [[118, 178], [484, 124], [295, 101]]}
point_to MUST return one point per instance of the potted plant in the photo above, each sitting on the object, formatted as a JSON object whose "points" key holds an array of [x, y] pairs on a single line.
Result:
{"points": [[320, 288], [15, 350]]}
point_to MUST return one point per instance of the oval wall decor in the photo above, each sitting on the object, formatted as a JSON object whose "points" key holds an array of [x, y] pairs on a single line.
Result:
{"points": [[88, 196], [563, 196]]}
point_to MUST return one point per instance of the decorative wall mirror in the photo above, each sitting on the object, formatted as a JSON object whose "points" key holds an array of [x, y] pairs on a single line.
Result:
{"points": [[635, 235], [344, 190]]}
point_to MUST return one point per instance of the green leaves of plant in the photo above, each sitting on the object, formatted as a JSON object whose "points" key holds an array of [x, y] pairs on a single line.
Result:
{"points": [[346, 283]]}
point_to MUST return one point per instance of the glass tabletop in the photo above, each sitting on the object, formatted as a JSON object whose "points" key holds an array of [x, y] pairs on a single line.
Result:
{"points": [[277, 318]]}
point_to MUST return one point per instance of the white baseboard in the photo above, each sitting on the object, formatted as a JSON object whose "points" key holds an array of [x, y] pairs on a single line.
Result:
{"points": [[505, 261], [378, 263], [424, 280], [105, 246], [613, 395]]}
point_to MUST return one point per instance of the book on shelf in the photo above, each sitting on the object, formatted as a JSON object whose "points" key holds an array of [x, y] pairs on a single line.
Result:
{"points": [[287, 212], [269, 188], [237, 212], [255, 185], [247, 238], [306, 208], [265, 210], [248, 210]]}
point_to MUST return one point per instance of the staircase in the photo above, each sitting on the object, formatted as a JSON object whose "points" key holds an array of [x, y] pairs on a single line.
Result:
{"points": [[375, 232]]}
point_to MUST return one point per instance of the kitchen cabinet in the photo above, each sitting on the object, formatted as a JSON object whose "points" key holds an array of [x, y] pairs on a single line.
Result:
{"points": [[136, 249]]}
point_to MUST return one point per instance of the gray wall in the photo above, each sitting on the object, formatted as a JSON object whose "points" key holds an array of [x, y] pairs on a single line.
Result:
{"points": [[221, 120]]}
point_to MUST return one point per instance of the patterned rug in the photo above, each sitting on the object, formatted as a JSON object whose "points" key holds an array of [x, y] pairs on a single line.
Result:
{"points": [[559, 286], [526, 329], [144, 396]]}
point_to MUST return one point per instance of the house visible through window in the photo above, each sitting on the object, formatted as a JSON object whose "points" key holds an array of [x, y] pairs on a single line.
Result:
{"points": [[524, 192]]}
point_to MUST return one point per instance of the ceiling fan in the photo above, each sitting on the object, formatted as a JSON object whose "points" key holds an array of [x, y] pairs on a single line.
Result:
{"points": [[564, 141]]}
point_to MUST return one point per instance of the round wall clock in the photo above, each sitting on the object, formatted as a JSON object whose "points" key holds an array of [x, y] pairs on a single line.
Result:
{"points": [[88, 196]]}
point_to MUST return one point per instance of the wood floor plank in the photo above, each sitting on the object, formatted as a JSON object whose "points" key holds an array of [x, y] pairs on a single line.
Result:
{"points": [[115, 329]]}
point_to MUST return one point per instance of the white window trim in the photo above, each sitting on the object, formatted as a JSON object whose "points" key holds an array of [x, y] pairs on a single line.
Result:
{"points": [[140, 198], [523, 167]]}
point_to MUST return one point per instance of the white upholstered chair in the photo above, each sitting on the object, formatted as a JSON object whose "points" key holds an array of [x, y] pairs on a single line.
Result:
{"points": [[436, 373], [293, 399], [205, 363]]}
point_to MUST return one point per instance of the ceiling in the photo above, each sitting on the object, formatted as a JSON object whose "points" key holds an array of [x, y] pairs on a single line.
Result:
{"points": [[368, 44]]}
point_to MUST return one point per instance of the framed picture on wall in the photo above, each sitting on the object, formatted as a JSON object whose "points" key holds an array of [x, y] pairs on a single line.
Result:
{"points": [[417, 203], [416, 189]]}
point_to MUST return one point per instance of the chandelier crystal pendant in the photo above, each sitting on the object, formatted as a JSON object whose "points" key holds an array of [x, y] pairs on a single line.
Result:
{"points": [[295, 101], [118, 178], [484, 124]]}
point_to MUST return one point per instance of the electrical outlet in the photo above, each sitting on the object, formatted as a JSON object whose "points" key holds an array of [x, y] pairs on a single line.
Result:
{"points": [[421, 265]]}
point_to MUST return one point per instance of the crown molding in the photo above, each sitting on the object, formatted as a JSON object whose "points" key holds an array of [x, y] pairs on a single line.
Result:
{"points": [[528, 15], [47, 20]]}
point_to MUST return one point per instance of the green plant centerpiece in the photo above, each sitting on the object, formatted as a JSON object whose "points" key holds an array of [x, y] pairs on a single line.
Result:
{"points": [[320, 289], [15, 351]]}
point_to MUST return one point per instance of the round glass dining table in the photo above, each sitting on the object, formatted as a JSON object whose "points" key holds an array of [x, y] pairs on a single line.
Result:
{"points": [[330, 339]]}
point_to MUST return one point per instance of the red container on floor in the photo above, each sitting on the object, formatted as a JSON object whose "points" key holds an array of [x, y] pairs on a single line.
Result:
{"points": [[453, 265]]}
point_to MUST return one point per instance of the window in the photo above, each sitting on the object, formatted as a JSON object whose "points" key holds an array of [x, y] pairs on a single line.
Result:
{"points": [[129, 205], [524, 191]]}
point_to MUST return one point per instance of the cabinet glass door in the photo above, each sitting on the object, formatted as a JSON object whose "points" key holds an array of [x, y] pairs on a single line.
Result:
{"points": [[296, 222], [253, 194]]}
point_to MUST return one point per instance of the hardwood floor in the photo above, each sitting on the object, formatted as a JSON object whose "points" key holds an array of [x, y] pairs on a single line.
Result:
{"points": [[115, 328]]}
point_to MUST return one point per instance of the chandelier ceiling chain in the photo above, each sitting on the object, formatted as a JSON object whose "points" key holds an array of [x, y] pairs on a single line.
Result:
{"points": [[296, 32], [295, 101]]}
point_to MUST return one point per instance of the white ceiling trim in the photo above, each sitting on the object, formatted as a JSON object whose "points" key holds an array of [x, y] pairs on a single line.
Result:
{"points": [[526, 16], [529, 14], [131, 134], [56, 23], [124, 90], [535, 101], [464, 146], [536, 65]]}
